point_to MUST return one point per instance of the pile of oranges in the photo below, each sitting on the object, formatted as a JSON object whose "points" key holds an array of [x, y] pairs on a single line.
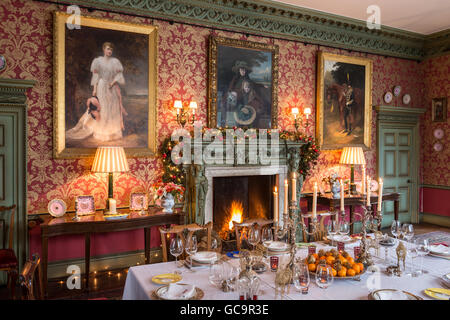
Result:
{"points": [[342, 264]]}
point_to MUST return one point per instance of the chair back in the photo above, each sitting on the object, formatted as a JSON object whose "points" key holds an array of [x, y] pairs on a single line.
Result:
{"points": [[12, 210], [239, 227], [31, 279], [179, 231]]}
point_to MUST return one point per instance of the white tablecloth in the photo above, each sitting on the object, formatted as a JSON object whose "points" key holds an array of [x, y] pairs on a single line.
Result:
{"points": [[139, 286]]}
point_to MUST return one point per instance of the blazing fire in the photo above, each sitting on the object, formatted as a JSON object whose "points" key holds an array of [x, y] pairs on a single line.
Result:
{"points": [[236, 211]]}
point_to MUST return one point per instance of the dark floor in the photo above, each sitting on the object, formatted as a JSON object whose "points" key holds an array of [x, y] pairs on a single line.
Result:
{"points": [[109, 284]]}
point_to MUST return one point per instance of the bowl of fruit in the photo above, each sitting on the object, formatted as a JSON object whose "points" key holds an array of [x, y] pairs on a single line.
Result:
{"points": [[343, 266]]}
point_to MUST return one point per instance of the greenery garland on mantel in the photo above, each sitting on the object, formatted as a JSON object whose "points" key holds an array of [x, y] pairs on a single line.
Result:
{"points": [[309, 153]]}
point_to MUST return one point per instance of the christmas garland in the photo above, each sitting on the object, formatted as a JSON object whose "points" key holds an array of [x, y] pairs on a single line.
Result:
{"points": [[172, 171]]}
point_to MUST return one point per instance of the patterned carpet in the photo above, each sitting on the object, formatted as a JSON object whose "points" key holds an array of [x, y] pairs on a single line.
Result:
{"points": [[435, 237]]}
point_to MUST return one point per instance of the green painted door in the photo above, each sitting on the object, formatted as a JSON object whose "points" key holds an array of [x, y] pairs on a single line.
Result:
{"points": [[396, 165]]}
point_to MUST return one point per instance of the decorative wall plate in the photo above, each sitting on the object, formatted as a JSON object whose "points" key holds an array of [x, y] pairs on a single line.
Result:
{"points": [[406, 99], [57, 208], [438, 146], [374, 185], [397, 90], [438, 133], [388, 97], [2, 63]]}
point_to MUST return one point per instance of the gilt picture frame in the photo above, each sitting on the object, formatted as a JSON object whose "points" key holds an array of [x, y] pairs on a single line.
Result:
{"points": [[105, 86], [344, 101], [439, 110], [242, 84]]}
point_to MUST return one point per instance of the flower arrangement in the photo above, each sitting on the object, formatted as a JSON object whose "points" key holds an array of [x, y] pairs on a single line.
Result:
{"points": [[332, 179], [162, 189]]}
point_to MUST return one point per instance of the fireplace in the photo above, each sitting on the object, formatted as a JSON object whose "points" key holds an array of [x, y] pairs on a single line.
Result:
{"points": [[239, 198]]}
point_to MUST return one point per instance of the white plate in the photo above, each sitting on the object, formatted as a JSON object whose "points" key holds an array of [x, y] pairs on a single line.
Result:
{"points": [[392, 294], [175, 291], [440, 250], [57, 208], [341, 238], [406, 99], [205, 256], [276, 245]]}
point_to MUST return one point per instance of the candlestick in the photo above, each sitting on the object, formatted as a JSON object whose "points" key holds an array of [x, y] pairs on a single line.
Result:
{"points": [[275, 205], [112, 206], [342, 195], [368, 191], [286, 192], [363, 181], [294, 188], [380, 193], [314, 200]]}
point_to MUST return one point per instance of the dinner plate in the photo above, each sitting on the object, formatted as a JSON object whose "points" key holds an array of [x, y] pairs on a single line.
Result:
{"points": [[340, 238], [57, 208], [115, 216], [161, 293], [438, 293], [440, 250], [392, 294], [205, 256], [166, 278], [276, 245]]}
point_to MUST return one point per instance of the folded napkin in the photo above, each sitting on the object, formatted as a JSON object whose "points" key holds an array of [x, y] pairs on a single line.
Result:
{"points": [[439, 249], [205, 256], [390, 295], [179, 291]]}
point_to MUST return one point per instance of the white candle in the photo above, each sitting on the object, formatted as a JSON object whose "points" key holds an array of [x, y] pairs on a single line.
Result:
{"points": [[294, 188], [380, 193], [112, 206], [314, 200], [275, 205], [363, 181], [342, 195], [286, 192], [368, 191]]}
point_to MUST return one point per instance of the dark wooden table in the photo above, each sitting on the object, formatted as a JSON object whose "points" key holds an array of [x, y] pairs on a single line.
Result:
{"points": [[352, 201], [96, 223]]}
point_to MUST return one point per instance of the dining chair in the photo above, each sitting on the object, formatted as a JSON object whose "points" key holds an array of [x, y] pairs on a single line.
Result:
{"points": [[239, 228], [8, 258], [30, 279], [180, 230], [322, 231]]}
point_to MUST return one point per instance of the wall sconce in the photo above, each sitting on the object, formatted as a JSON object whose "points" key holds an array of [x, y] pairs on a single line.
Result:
{"points": [[182, 112], [295, 113]]}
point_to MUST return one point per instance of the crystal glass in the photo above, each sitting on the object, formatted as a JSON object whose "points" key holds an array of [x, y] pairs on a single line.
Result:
{"points": [[254, 288], [254, 236], [191, 248], [267, 235], [243, 288], [301, 277], [396, 228], [324, 276], [176, 248], [344, 228], [234, 277], [408, 231], [216, 273], [332, 229], [423, 248]]}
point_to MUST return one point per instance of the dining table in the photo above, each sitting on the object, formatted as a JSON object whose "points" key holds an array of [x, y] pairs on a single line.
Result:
{"points": [[139, 284]]}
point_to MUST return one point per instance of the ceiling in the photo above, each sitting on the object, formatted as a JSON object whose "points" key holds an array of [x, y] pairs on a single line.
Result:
{"points": [[424, 17]]}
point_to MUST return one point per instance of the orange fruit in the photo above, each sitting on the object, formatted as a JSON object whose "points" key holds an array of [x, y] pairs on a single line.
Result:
{"points": [[361, 267], [343, 260], [330, 259], [334, 272], [342, 273], [316, 255], [356, 267], [350, 260], [351, 273], [312, 267]]}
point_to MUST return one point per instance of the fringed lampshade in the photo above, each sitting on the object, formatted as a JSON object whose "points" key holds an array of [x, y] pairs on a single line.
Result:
{"points": [[352, 156]]}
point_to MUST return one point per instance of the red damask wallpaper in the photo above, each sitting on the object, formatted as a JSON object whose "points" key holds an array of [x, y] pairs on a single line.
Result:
{"points": [[26, 41]]}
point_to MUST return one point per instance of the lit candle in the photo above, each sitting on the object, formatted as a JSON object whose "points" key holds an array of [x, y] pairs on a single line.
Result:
{"points": [[363, 181], [275, 204], [112, 206], [380, 193], [307, 112], [193, 106], [368, 191], [295, 112], [342, 195], [178, 105], [294, 188], [314, 200], [286, 192]]}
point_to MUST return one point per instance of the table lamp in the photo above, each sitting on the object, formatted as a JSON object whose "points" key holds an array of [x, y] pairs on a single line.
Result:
{"points": [[352, 156], [110, 160]]}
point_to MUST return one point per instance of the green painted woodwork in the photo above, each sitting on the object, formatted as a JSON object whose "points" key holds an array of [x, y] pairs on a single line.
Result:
{"points": [[273, 19], [13, 152], [398, 159]]}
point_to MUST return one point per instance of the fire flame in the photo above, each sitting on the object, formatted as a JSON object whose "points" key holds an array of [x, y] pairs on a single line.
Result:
{"points": [[236, 210]]}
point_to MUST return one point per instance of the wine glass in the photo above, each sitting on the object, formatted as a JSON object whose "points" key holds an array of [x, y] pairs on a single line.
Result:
{"points": [[266, 235], [176, 248], [324, 276], [332, 230], [191, 248], [396, 228], [216, 273], [254, 236], [301, 277], [423, 248], [408, 231], [344, 228]]}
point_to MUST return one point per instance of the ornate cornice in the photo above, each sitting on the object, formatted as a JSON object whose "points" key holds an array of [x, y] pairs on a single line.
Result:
{"points": [[403, 114], [272, 19], [12, 91], [437, 44]]}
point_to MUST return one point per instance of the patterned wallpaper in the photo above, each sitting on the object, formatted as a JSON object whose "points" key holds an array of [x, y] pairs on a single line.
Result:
{"points": [[437, 85], [26, 42]]}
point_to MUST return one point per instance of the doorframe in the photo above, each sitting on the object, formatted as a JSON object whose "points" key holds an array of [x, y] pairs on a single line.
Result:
{"points": [[391, 117]]}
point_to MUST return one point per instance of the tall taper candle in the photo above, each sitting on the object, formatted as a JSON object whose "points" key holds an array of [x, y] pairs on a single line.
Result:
{"points": [[314, 200], [275, 205], [368, 191], [286, 193], [380, 193], [363, 181], [294, 188], [341, 183]]}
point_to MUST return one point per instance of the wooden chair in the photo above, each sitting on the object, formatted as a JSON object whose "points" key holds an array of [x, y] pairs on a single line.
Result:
{"points": [[322, 232], [179, 230], [239, 227], [31, 279], [8, 259]]}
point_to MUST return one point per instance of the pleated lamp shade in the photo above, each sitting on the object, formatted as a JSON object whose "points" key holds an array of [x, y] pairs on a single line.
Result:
{"points": [[352, 155], [110, 159]]}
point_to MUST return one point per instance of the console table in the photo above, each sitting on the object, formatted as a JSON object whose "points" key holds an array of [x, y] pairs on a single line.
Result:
{"points": [[352, 201], [96, 223]]}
